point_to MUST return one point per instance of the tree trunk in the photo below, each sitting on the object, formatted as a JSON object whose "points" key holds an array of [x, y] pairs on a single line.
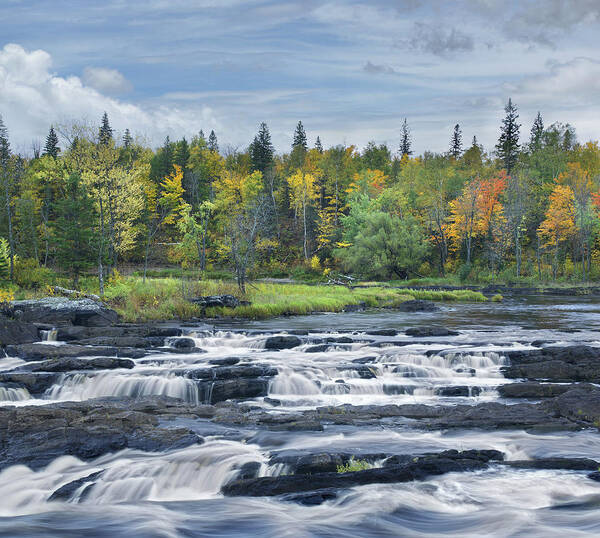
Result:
{"points": [[539, 257], [101, 251], [146, 254]]}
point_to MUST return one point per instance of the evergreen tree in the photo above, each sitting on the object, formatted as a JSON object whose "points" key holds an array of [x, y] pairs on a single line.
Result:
{"points": [[105, 133], [127, 139], [405, 140], [261, 149], [212, 142], [161, 165], [537, 133], [508, 146], [4, 260], [7, 188], [51, 148], [73, 229], [456, 143], [299, 137], [318, 145], [181, 154]]}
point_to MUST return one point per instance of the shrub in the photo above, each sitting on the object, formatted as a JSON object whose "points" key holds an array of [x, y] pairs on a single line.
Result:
{"points": [[497, 298], [464, 272], [29, 274]]}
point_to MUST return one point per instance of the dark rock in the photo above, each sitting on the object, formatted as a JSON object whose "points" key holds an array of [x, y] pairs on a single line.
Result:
{"points": [[227, 361], [430, 331], [282, 342], [532, 390], [360, 307], [144, 342], [71, 364], [272, 401], [36, 435], [364, 360], [64, 493], [364, 372], [215, 301], [580, 404], [382, 332], [339, 340], [568, 464], [58, 310], [37, 352], [16, 332], [321, 348], [184, 343], [35, 383], [249, 470], [419, 468], [463, 390], [416, 305], [594, 476]]}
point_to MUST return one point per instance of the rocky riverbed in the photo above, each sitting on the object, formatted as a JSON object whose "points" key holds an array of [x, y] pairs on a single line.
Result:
{"points": [[467, 420]]}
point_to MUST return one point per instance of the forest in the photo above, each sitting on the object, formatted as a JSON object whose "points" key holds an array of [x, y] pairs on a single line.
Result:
{"points": [[89, 202]]}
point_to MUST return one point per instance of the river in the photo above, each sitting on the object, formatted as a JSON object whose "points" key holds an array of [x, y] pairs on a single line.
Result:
{"points": [[178, 492]]}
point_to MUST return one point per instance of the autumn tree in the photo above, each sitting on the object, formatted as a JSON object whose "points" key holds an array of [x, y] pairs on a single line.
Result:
{"points": [[303, 193], [559, 224]]}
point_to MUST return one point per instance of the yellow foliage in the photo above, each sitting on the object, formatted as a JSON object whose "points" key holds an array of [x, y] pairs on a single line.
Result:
{"points": [[315, 264], [6, 297], [559, 223]]}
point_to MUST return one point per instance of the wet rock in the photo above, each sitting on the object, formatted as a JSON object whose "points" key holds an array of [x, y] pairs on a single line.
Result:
{"points": [[339, 340], [417, 305], [568, 464], [64, 493], [144, 342], [363, 372], [463, 390], [183, 343], [430, 331], [580, 404], [364, 360], [37, 352], [71, 364], [36, 435], [382, 332], [249, 470], [532, 390], [227, 361], [419, 468], [272, 401], [594, 476], [16, 332], [35, 383], [71, 333], [282, 342], [58, 310]]}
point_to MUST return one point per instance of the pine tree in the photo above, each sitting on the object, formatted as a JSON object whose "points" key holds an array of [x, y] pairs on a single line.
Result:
{"points": [[212, 142], [51, 148], [456, 143], [299, 137], [508, 146], [73, 229], [181, 154], [318, 145], [537, 132], [161, 165], [105, 132], [127, 139], [261, 149], [405, 140]]}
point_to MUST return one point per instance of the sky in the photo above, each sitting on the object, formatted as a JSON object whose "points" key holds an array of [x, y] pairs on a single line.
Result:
{"points": [[350, 70]]}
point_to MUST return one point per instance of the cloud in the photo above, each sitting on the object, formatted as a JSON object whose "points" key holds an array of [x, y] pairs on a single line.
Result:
{"points": [[106, 80], [432, 39], [376, 69], [32, 98]]}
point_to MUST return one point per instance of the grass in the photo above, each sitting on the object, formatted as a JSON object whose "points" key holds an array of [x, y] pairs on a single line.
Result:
{"points": [[353, 466]]}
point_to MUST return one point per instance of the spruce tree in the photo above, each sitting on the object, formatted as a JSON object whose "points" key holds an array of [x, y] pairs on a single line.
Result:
{"points": [[127, 139], [161, 165], [508, 146], [318, 145], [405, 140], [51, 148], [212, 142], [300, 137], [456, 143], [105, 133], [73, 229], [537, 132], [181, 154], [261, 149]]}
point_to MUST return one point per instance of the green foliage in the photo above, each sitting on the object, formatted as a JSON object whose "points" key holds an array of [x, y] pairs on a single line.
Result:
{"points": [[387, 246], [29, 274], [353, 466], [497, 298], [4, 260]]}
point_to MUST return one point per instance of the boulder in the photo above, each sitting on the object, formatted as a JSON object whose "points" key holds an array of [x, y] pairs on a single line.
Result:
{"points": [[532, 390], [69, 364], [282, 342], [16, 332], [38, 352], [382, 332], [58, 310], [64, 493]]}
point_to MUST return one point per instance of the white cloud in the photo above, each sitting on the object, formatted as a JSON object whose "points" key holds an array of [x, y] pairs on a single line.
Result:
{"points": [[106, 80], [32, 97]]}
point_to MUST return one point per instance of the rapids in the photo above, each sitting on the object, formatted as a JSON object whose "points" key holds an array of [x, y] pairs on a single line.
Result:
{"points": [[177, 493]]}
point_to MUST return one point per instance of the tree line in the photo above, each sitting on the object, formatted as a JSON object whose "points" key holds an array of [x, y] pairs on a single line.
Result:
{"points": [[89, 200]]}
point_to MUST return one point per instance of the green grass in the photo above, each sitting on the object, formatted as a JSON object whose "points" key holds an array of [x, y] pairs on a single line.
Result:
{"points": [[353, 466]]}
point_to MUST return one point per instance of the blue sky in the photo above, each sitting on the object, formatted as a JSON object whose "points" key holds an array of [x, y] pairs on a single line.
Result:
{"points": [[350, 70]]}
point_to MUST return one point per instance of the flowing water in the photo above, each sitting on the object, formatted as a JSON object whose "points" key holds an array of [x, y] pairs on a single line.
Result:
{"points": [[177, 493]]}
